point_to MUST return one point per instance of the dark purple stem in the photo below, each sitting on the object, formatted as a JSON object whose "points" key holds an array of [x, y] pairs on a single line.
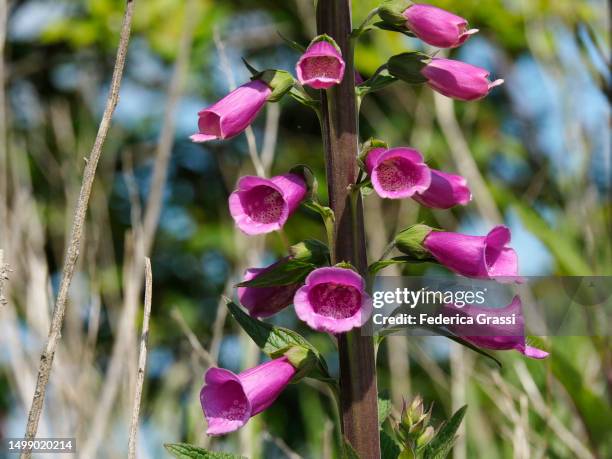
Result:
{"points": [[358, 395]]}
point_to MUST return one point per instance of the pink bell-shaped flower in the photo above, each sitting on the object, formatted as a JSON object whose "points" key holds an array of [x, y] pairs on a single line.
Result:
{"points": [[397, 172], [457, 79], [333, 300], [261, 205], [495, 328], [321, 66], [229, 400], [436, 26]]}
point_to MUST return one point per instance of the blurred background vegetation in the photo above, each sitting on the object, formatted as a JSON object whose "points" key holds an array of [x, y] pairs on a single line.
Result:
{"points": [[536, 153]]}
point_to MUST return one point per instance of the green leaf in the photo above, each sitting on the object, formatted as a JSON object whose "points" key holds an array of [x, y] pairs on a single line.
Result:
{"points": [[293, 44], [187, 451], [465, 343], [284, 273], [381, 264], [440, 446], [388, 447], [303, 98], [277, 341], [375, 83], [384, 407], [442, 332], [392, 28], [304, 257]]}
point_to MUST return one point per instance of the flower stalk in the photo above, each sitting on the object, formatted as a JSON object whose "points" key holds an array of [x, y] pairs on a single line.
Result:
{"points": [[358, 394]]}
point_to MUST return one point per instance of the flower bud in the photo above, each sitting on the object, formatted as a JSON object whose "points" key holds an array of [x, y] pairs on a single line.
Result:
{"points": [[265, 301], [321, 66], [445, 191], [436, 26], [458, 80]]}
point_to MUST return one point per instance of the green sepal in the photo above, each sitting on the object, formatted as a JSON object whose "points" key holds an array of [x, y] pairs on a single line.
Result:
{"points": [[368, 146], [391, 12], [407, 66], [310, 250], [410, 242], [345, 265], [280, 81], [393, 28], [328, 39]]}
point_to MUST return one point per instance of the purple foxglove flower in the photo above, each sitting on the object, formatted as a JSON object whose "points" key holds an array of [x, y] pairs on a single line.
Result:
{"points": [[232, 114], [491, 335], [436, 26], [261, 205], [398, 172], [445, 191], [333, 300], [457, 79], [321, 66], [229, 400], [481, 257], [265, 301]]}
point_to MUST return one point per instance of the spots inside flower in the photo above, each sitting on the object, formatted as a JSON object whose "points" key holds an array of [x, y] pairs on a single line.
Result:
{"points": [[210, 123], [321, 67], [263, 204], [397, 174], [335, 300], [227, 401]]}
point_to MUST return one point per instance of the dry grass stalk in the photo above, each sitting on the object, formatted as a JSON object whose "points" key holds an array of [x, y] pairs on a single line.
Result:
{"points": [[142, 359], [72, 254]]}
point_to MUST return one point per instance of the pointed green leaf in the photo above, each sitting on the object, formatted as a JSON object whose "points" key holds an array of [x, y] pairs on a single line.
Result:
{"points": [[277, 341], [440, 446], [293, 44], [187, 451]]}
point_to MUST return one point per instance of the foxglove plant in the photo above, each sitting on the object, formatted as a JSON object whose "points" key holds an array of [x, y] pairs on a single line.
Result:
{"points": [[329, 286]]}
